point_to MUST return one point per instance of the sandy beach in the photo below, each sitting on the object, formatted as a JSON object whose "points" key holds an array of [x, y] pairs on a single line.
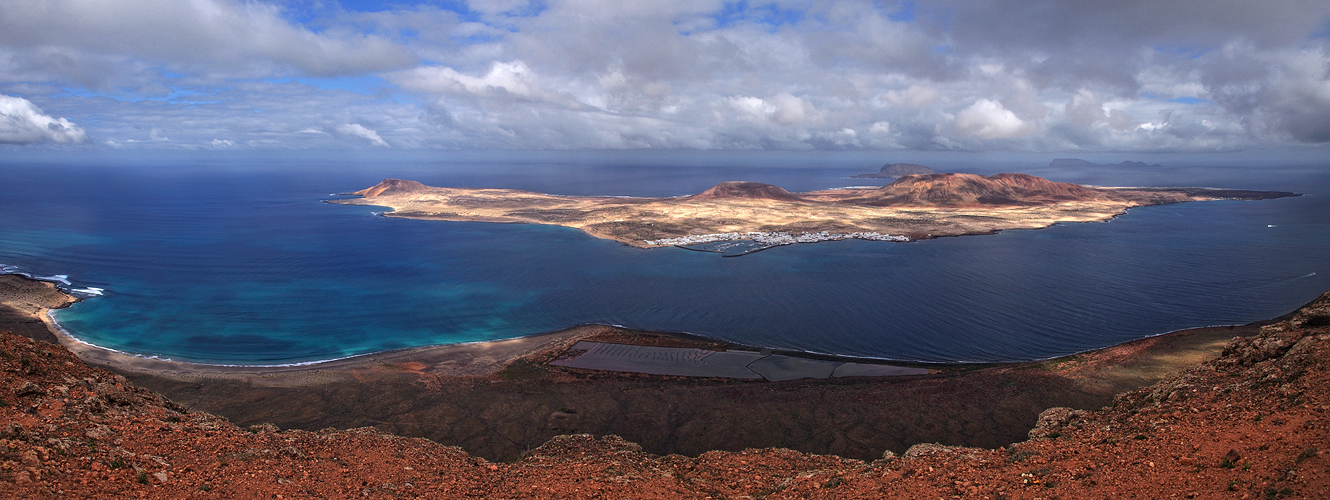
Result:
{"points": [[25, 306], [454, 360], [482, 359]]}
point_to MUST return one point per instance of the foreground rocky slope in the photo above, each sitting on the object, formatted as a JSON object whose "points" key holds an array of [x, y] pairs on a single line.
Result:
{"points": [[1249, 424]]}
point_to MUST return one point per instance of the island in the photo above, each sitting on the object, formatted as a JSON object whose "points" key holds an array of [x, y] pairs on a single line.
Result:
{"points": [[759, 216], [894, 170], [1079, 163]]}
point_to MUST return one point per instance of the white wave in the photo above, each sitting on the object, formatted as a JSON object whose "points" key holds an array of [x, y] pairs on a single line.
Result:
{"points": [[58, 278], [62, 279]]}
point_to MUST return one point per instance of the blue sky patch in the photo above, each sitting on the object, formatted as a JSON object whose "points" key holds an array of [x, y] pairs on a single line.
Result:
{"points": [[904, 12], [743, 12]]}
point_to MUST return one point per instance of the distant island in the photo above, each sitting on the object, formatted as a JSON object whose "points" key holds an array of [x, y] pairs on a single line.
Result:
{"points": [[894, 170], [911, 208], [1079, 163]]}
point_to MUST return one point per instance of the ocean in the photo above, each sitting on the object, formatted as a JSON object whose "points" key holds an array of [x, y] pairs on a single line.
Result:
{"points": [[237, 260]]}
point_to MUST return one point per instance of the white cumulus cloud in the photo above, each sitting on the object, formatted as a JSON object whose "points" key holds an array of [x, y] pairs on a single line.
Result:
{"points": [[358, 130], [22, 122], [987, 119], [781, 108], [63, 37], [511, 80]]}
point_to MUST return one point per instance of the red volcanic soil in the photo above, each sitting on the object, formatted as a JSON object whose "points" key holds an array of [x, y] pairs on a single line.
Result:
{"points": [[955, 190], [1250, 424], [391, 187], [745, 190]]}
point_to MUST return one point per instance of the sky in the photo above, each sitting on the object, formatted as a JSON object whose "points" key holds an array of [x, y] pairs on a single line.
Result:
{"points": [[1077, 76]]}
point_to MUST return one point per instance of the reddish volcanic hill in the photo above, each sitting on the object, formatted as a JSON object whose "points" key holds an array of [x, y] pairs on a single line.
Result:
{"points": [[745, 190], [392, 186], [970, 189]]}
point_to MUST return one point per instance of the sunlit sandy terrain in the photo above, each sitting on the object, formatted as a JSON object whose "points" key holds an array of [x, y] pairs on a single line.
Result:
{"points": [[914, 207]]}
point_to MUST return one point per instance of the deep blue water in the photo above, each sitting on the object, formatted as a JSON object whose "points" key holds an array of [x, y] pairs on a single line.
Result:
{"points": [[232, 261]]}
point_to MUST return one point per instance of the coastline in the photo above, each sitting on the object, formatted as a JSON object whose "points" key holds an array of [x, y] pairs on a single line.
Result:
{"points": [[24, 301], [486, 358], [499, 399], [482, 358], [449, 360]]}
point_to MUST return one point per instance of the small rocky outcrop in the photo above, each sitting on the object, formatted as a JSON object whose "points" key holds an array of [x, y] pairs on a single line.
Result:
{"points": [[894, 170], [391, 187], [1053, 421], [731, 190]]}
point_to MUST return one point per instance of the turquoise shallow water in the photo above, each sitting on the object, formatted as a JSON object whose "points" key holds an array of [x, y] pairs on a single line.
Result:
{"points": [[241, 263]]}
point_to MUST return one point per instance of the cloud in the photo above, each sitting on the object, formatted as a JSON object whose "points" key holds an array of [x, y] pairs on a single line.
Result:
{"points": [[914, 96], [358, 130], [843, 138], [1087, 109], [783, 109], [511, 80], [257, 115], [92, 43], [987, 119], [22, 122], [1057, 26], [1283, 94], [1037, 75]]}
